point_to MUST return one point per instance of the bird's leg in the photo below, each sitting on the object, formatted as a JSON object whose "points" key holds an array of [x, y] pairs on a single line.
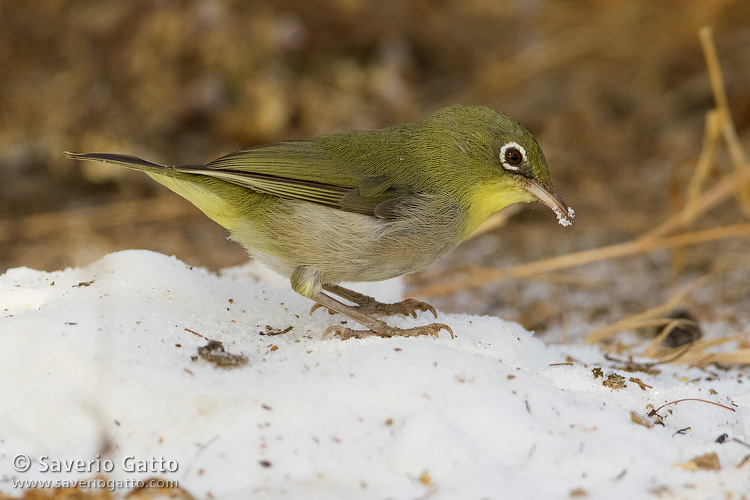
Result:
{"points": [[375, 326], [368, 305]]}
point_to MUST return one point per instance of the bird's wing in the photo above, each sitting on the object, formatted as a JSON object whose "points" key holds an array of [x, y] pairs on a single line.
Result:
{"points": [[301, 171]]}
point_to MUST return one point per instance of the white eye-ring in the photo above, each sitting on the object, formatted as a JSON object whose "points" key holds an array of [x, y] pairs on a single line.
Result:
{"points": [[512, 155]]}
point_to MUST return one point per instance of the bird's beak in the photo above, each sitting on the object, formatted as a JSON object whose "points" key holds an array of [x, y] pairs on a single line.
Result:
{"points": [[564, 213]]}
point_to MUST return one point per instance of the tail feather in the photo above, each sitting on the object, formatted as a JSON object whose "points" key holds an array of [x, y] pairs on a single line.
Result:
{"points": [[214, 197], [118, 159]]}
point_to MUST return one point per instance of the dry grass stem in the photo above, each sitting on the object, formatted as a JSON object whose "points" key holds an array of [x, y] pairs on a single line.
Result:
{"points": [[708, 200], [714, 68], [655, 344], [736, 357], [718, 122], [730, 132], [656, 316], [703, 167], [477, 276], [695, 354]]}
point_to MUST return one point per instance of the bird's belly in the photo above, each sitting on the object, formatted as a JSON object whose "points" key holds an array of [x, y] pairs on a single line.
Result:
{"points": [[341, 246]]}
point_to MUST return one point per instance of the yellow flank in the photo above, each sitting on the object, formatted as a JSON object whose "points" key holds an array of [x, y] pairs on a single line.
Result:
{"points": [[487, 198], [217, 208]]}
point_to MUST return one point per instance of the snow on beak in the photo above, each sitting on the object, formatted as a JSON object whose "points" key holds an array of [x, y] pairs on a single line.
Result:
{"points": [[543, 192]]}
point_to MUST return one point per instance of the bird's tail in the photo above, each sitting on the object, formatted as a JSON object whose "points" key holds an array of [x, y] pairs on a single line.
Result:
{"points": [[117, 159], [212, 196]]}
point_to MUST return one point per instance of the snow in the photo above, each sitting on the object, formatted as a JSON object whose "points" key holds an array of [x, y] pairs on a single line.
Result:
{"points": [[564, 219], [100, 364]]}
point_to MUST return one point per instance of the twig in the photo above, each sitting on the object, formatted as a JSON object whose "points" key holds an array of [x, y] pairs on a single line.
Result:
{"points": [[655, 412]]}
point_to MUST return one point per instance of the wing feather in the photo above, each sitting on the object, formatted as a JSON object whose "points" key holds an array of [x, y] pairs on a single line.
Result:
{"points": [[315, 192], [300, 170]]}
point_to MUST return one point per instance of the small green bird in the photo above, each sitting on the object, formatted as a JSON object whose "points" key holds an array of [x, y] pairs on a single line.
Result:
{"points": [[365, 205]]}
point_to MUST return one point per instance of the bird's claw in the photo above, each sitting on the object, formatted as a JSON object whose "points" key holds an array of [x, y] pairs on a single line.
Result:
{"points": [[317, 306], [345, 333], [407, 307]]}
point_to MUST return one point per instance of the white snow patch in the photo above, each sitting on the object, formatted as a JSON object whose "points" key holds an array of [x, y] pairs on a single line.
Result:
{"points": [[98, 364]]}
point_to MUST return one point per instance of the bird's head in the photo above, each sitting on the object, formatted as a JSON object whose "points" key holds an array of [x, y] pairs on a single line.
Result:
{"points": [[506, 164]]}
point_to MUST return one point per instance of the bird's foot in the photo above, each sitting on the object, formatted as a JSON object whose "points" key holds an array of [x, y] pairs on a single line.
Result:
{"points": [[370, 306], [407, 307], [345, 333]]}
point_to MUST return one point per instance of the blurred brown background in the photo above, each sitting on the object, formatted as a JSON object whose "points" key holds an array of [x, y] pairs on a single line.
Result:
{"points": [[615, 92]]}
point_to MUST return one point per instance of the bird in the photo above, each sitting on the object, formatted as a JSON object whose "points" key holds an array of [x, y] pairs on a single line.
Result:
{"points": [[365, 205]]}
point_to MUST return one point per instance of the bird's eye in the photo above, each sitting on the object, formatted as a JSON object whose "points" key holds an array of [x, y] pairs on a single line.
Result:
{"points": [[512, 156]]}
